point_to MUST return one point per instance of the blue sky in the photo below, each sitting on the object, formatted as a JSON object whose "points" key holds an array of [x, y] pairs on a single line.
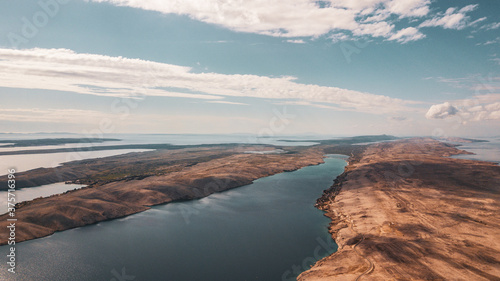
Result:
{"points": [[413, 67]]}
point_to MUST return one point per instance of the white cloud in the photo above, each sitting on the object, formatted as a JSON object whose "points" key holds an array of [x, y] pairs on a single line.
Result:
{"points": [[297, 41], [407, 34], [339, 37], [477, 21], [65, 70], [298, 18], [440, 111], [227, 102], [468, 8], [491, 26], [479, 108], [483, 112], [409, 8], [451, 19], [490, 42]]}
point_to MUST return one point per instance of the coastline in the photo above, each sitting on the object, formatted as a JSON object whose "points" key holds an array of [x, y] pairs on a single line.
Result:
{"points": [[405, 210]]}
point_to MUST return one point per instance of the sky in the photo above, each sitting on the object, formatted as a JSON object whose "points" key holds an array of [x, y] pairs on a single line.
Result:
{"points": [[274, 67]]}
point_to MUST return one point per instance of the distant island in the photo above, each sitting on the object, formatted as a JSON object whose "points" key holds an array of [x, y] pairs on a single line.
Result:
{"points": [[51, 141], [461, 140], [349, 140]]}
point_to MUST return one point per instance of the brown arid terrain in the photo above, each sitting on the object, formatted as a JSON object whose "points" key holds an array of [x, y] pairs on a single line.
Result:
{"points": [[404, 210], [127, 184]]}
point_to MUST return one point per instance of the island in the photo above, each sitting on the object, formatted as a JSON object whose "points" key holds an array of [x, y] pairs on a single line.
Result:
{"points": [[405, 210], [52, 141]]}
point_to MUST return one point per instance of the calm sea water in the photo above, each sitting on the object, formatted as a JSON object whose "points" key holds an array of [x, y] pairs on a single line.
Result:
{"points": [[268, 230], [485, 151], [25, 162], [27, 194]]}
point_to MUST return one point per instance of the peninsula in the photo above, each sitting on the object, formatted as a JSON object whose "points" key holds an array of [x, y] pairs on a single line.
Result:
{"points": [[404, 210]]}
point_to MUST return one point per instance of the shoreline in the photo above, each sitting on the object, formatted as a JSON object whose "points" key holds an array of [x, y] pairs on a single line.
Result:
{"points": [[407, 211]]}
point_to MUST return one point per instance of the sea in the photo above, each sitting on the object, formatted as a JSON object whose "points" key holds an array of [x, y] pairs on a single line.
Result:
{"points": [[484, 151]]}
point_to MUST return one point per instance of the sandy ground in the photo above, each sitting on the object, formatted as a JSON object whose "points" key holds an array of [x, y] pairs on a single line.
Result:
{"points": [[405, 211]]}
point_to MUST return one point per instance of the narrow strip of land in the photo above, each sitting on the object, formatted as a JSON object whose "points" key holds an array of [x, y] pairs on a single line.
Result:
{"points": [[406, 211], [128, 184]]}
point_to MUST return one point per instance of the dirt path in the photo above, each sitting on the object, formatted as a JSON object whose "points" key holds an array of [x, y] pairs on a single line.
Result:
{"points": [[370, 263]]}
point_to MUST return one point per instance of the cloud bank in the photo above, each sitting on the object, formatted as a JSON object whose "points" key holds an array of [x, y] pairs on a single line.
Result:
{"points": [[306, 18], [65, 70]]}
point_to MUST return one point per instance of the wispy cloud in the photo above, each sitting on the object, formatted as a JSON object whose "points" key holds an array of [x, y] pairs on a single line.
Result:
{"points": [[491, 26], [479, 84], [477, 21], [296, 41], [65, 70], [490, 42], [407, 34], [219, 42], [451, 19], [227, 102]]}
